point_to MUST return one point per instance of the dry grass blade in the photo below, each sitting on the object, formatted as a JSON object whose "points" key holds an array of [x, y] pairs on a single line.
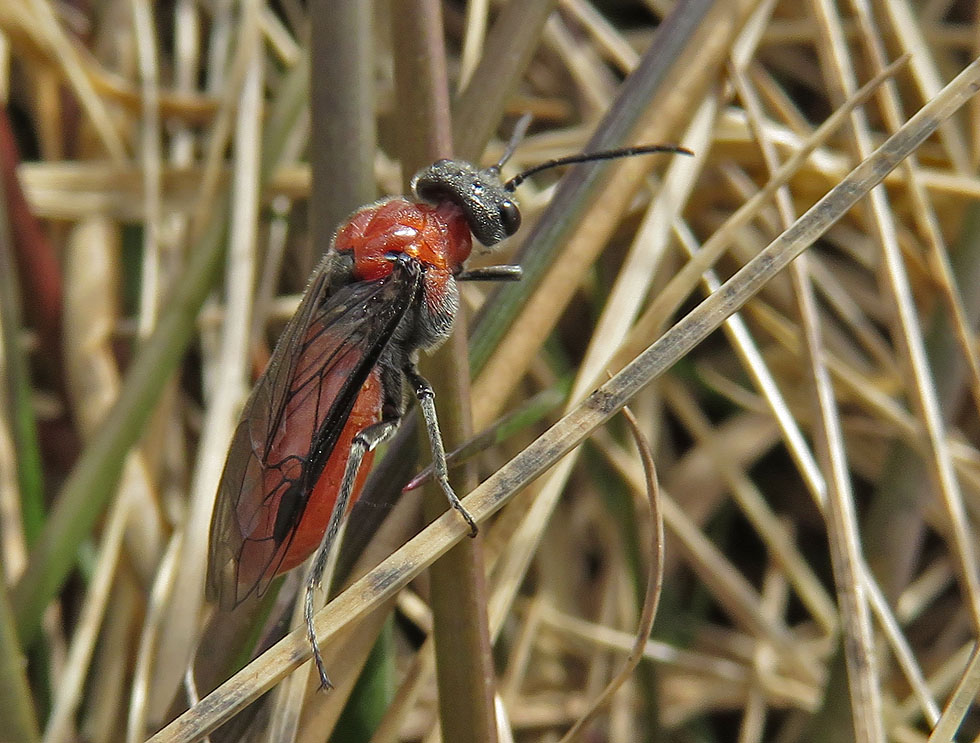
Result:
{"points": [[654, 582], [90, 312], [680, 285], [840, 510], [37, 21], [230, 370], [963, 697], [152, 166], [780, 545], [842, 530], [649, 107], [509, 47], [908, 331]]}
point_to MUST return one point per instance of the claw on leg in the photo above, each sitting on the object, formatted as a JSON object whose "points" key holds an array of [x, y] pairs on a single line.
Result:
{"points": [[440, 470], [325, 558]]}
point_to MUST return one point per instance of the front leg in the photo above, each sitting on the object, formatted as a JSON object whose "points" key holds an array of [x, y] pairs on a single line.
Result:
{"points": [[426, 397], [492, 273]]}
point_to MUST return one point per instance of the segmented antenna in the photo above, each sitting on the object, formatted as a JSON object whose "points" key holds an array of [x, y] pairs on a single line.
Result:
{"points": [[520, 129], [588, 157]]}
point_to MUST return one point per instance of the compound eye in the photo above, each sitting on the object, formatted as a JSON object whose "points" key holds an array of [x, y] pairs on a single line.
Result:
{"points": [[510, 217]]}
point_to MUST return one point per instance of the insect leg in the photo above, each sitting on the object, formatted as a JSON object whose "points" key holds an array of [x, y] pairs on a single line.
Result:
{"points": [[426, 398], [491, 273], [363, 442]]}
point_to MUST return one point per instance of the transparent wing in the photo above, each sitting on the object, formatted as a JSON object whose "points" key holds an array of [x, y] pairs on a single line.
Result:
{"points": [[291, 422]]}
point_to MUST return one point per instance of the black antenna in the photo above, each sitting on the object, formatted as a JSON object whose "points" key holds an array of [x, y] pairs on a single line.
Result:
{"points": [[520, 129], [588, 157]]}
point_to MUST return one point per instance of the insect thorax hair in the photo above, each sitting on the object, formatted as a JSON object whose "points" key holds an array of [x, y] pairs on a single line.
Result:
{"points": [[429, 319], [426, 326]]}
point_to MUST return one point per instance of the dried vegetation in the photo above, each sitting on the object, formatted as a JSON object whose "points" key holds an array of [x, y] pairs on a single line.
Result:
{"points": [[168, 181]]}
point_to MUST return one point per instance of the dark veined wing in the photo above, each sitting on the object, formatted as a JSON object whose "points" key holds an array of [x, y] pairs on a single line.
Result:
{"points": [[292, 420]]}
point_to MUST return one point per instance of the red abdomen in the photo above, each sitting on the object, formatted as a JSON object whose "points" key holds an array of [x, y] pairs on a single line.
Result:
{"points": [[313, 524]]}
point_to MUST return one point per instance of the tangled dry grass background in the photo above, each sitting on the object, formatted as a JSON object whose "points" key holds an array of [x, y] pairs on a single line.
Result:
{"points": [[171, 175]]}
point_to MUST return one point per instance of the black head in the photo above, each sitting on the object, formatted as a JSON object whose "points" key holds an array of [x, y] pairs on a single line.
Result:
{"points": [[486, 202]]}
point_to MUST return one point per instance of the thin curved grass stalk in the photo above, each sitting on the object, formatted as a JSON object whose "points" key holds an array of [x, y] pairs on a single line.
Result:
{"points": [[654, 582]]}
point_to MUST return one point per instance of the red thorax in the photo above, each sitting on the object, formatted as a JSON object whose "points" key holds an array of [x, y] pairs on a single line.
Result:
{"points": [[435, 235]]}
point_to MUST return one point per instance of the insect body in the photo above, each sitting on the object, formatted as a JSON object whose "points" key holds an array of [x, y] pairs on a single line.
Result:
{"points": [[335, 387]]}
